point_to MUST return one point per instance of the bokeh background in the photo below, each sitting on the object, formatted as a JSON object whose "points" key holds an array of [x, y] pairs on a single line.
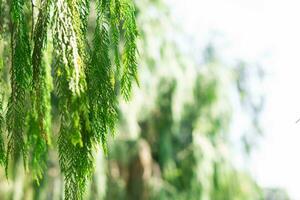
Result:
{"points": [[215, 115]]}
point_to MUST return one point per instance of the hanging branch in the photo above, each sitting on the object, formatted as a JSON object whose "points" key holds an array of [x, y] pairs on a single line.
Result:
{"points": [[20, 83], [115, 17], [70, 87], [2, 124], [130, 49], [85, 82], [101, 89], [2, 118], [40, 119]]}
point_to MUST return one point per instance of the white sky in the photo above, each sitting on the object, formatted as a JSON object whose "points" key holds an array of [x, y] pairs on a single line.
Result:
{"points": [[256, 28]]}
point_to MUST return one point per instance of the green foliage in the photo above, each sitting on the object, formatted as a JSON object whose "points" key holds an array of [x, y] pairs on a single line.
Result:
{"points": [[102, 114], [130, 49], [40, 119], [2, 118], [18, 105], [115, 32], [2, 123], [85, 78]]}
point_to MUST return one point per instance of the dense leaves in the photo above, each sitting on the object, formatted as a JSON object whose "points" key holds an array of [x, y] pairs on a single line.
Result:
{"points": [[49, 41]]}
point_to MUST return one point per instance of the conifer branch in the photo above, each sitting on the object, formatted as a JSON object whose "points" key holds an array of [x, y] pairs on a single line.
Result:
{"points": [[101, 89], [84, 84], [20, 83], [39, 123], [115, 14], [130, 48], [2, 124]]}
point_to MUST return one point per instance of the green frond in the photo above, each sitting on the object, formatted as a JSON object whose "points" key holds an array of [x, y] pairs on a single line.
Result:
{"points": [[2, 118], [84, 11], [37, 148], [2, 124], [40, 118], [68, 43], [129, 56], [76, 160], [74, 142], [115, 15], [84, 79], [101, 89], [20, 83]]}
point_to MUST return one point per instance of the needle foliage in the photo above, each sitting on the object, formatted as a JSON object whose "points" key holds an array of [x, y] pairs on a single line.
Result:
{"points": [[51, 56]]}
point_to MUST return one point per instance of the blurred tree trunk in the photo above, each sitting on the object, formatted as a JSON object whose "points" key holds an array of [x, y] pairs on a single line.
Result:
{"points": [[140, 171]]}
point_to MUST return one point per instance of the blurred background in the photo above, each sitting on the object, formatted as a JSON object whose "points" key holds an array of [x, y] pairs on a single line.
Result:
{"points": [[215, 115]]}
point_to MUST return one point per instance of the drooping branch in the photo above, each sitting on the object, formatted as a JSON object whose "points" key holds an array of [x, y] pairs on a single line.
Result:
{"points": [[40, 119], [20, 83], [84, 75]]}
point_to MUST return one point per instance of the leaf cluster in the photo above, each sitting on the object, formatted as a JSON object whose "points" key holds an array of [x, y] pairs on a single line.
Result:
{"points": [[86, 76]]}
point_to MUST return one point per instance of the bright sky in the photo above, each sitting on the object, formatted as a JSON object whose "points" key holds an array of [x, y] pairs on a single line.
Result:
{"points": [[256, 29]]}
